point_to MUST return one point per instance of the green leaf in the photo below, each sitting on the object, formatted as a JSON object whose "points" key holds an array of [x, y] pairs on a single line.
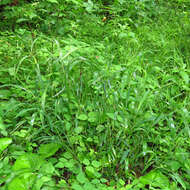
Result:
{"points": [[174, 165], [67, 155], [22, 133], [185, 76], [78, 130], [179, 180], [47, 150], [60, 165], [22, 163], [89, 186], [40, 182], [156, 179], [100, 128], [47, 168], [3, 128], [82, 117], [92, 117], [81, 178], [23, 182], [76, 186], [103, 180], [4, 143], [91, 172], [28, 161], [53, 1], [111, 115], [86, 162], [5, 94], [96, 164], [17, 184]]}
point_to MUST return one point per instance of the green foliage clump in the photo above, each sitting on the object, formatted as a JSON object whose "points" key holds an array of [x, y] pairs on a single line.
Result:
{"points": [[94, 95]]}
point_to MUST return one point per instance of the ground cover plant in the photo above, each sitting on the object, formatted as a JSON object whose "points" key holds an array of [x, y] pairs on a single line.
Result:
{"points": [[94, 95]]}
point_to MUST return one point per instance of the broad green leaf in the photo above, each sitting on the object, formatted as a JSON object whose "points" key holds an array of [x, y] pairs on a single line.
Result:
{"points": [[22, 163], [5, 94], [4, 143], [40, 181], [156, 179], [60, 165], [103, 180], [76, 186], [121, 182], [89, 186], [23, 182], [47, 150], [47, 168], [17, 184], [86, 162], [90, 171], [100, 128], [96, 164], [78, 130], [111, 115], [185, 76], [81, 178], [67, 155], [70, 164], [92, 117], [63, 183], [174, 165], [119, 118], [28, 161], [82, 117]]}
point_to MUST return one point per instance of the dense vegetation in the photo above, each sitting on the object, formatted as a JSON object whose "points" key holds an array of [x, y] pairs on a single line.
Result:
{"points": [[94, 94]]}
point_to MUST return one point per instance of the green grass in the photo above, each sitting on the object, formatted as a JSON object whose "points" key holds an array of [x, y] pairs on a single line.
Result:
{"points": [[112, 97]]}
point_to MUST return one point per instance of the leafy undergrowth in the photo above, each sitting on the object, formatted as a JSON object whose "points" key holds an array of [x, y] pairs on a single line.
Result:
{"points": [[101, 102]]}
